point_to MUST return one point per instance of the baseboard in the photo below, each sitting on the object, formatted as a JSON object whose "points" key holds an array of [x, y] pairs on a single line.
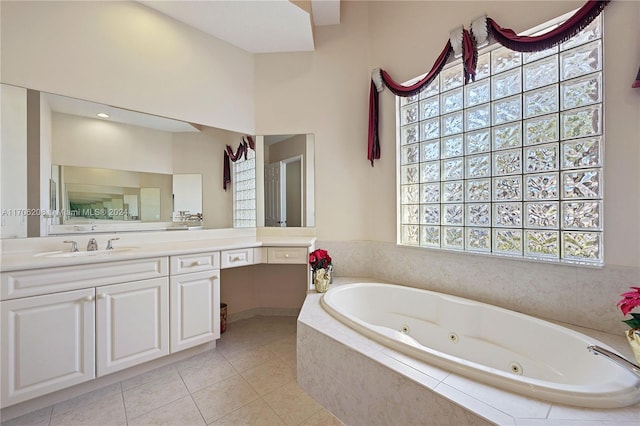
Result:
{"points": [[284, 312]]}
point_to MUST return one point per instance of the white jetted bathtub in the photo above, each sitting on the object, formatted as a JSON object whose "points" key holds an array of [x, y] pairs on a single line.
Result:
{"points": [[496, 346]]}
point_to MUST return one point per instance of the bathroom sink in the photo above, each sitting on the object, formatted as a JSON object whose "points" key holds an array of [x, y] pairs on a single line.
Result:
{"points": [[98, 253]]}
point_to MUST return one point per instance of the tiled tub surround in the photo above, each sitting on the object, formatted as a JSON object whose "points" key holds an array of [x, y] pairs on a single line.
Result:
{"points": [[581, 296], [495, 346], [365, 383]]}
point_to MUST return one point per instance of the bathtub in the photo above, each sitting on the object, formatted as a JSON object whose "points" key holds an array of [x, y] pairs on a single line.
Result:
{"points": [[502, 348]]}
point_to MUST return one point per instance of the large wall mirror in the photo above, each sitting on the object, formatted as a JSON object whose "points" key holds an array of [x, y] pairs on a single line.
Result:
{"points": [[130, 168], [288, 184]]}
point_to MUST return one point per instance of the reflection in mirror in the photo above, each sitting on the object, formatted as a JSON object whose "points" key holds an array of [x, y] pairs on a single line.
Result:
{"points": [[66, 131], [92, 194], [187, 199], [102, 202], [288, 180]]}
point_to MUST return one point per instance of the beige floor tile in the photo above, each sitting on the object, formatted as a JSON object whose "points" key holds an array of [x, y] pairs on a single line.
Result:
{"points": [[292, 404], [224, 397], [256, 413], [103, 412], [235, 344], [86, 398], [182, 412], [205, 371], [249, 379], [155, 394], [40, 417], [270, 376], [212, 356], [251, 358], [149, 376], [322, 418], [284, 348], [253, 332]]}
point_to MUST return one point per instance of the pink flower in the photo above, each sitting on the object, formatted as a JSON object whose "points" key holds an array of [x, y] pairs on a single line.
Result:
{"points": [[319, 259], [629, 301]]}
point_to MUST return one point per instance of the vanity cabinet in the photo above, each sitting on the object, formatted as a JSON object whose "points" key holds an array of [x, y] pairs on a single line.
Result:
{"points": [[195, 299], [132, 324], [64, 325], [54, 340], [47, 343], [237, 257], [287, 255], [281, 255]]}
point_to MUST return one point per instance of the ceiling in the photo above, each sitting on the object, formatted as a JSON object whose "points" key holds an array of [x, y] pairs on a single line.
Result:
{"points": [[257, 26], [88, 109]]}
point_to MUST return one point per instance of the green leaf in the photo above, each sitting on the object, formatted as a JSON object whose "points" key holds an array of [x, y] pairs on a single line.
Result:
{"points": [[633, 323]]}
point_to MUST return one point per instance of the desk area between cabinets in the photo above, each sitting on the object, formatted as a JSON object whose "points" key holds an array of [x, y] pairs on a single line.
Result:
{"points": [[105, 315]]}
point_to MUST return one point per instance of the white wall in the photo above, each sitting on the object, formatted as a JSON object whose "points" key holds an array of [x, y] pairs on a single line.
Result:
{"points": [[127, 55], [88, 142], [326, 93]]}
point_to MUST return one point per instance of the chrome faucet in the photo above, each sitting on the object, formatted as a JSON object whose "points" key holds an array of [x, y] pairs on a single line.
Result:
{"points": [[74, 246], [597, 350], [92, 245], [109, 245]]}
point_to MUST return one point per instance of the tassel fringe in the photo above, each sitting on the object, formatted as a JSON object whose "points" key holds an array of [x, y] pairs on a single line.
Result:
{"points": [[376, 77]]}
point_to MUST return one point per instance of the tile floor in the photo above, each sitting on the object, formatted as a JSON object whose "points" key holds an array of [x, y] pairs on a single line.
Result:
{"points": [[248, 379]]}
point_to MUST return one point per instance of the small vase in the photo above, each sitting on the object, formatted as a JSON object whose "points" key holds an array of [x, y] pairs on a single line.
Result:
{"points": [[634, 342], [321, 278]]}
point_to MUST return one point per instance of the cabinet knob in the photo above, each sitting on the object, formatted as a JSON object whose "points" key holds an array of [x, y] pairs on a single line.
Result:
{"points": [[286, 255], [196, 263], [235, 258], [102, 296], [88, 299]]}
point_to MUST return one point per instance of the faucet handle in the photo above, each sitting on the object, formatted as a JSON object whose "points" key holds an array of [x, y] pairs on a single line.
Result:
{"points": [[74, 246], [109, 245], [92, 245]]}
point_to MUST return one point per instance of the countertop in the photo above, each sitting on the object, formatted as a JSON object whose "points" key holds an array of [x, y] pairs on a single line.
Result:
{"points": [[48, 253]]}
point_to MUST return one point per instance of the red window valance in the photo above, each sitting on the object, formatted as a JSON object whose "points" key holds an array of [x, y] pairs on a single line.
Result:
{"points": [[481, 30], [246, 144]]}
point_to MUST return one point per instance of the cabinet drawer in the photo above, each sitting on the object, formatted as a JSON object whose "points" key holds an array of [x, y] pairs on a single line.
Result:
{"points": [[16, 284], [239, 257], [198, 262], [296, 255]]}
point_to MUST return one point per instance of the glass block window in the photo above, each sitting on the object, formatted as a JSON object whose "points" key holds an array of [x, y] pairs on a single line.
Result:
{"points": [[244, 191], [510, 164]]}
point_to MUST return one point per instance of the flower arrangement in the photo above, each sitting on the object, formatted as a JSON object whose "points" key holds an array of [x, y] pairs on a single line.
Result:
{"points": [[320, 262], [629, 301], [319, 259]]}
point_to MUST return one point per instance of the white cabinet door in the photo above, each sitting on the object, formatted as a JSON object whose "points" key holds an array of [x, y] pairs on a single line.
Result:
{"points": [[132, 324], [195, 309], [47, 344]]}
